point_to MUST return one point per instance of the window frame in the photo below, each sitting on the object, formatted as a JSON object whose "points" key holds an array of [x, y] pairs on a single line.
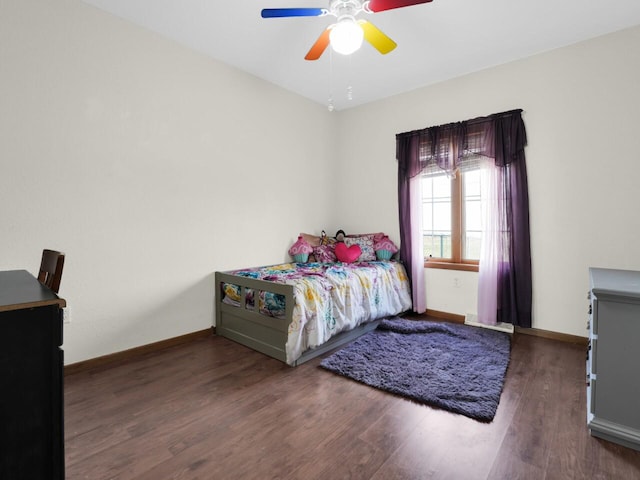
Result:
{"points": [[456, 262]]}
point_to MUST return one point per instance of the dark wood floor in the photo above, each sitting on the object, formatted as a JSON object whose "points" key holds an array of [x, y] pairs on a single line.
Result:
{"points": [[212, 409]]}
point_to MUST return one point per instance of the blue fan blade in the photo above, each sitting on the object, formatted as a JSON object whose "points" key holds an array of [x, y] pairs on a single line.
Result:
{"points": [[293, 12]]}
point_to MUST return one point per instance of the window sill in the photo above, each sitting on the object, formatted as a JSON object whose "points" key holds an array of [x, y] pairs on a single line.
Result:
{"points": [[467, 267]]}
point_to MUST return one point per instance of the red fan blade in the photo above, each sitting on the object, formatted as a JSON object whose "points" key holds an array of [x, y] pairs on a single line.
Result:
{"points": [[382, 5], [319, 47]]}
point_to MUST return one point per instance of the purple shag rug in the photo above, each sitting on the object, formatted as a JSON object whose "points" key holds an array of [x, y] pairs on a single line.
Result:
{"points": [[451, 366]]}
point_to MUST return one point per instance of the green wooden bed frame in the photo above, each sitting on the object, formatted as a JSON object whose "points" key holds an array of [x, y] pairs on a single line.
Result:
{"points": [[246, 325]]}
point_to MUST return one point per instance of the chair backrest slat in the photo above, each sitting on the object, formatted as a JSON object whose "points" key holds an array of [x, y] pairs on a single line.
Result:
{"points": [[51, 266]]}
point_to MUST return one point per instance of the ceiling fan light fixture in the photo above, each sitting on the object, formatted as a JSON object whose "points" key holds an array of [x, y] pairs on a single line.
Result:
{"points": [[346, 36]]}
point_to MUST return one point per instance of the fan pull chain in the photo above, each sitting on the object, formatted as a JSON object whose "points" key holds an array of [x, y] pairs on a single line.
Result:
{"points": [[349, 92], [349, 87], [330, 106]]}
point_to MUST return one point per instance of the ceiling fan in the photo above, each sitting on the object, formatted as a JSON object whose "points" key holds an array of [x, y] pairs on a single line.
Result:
{"points": [[346, 35]]}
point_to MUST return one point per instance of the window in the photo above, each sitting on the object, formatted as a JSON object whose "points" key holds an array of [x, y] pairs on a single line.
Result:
{"points": [[452, 219]]}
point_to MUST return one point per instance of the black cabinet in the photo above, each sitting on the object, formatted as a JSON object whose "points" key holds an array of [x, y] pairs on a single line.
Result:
{"points": [[31, 379]]}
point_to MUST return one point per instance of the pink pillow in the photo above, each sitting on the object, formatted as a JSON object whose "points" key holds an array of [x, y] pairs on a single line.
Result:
{"points": [[365, 242], [347, 254], [325, 253]]}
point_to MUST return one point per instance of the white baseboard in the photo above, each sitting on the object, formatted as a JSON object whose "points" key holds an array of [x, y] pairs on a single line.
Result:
{"points": [[472, 320]]}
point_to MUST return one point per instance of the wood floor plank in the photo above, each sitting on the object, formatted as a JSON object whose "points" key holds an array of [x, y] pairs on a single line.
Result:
{"points": [[569, 457], [213, 409], [394, 425], [525, 447], [127, 414]]}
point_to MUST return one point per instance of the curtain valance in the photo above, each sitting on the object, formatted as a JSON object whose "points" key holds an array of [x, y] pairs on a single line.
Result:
{"points": [[500, 136]]}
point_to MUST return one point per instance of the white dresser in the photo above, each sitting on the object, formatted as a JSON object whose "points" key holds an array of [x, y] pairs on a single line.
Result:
{"points": [[613, 359]]}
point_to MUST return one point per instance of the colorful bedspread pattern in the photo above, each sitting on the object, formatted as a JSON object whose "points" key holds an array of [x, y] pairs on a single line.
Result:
{"points": [[330, 297]]}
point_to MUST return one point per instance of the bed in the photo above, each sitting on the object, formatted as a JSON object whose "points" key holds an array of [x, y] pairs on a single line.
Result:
{"points": [[296, 311]]}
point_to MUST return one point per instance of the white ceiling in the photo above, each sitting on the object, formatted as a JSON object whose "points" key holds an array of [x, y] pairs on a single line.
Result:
{"points": [[436, 41]]}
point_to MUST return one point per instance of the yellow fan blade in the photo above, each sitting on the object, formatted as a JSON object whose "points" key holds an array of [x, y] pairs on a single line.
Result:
{"points": [[319, 47], [375, 37]]}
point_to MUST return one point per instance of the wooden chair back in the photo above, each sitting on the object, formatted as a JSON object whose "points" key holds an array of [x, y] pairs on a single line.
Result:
{"points": [[51, 265]]}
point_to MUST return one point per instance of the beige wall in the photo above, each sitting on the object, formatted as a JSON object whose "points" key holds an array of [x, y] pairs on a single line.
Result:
{"points": [[150, 165], [581, 107]]}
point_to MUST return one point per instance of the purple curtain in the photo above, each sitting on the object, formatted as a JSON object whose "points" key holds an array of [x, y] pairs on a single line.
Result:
{"points": [[409, 168], [502, 137]]}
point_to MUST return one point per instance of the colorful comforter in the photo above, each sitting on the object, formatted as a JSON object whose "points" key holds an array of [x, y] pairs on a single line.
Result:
{"points": [[329, 297]]}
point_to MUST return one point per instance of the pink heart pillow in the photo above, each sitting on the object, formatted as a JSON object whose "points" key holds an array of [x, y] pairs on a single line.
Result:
{"points": [[347, 254]]}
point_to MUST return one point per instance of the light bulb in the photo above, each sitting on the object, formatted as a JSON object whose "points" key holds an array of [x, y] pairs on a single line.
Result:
{"points": [[346, 36]]}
